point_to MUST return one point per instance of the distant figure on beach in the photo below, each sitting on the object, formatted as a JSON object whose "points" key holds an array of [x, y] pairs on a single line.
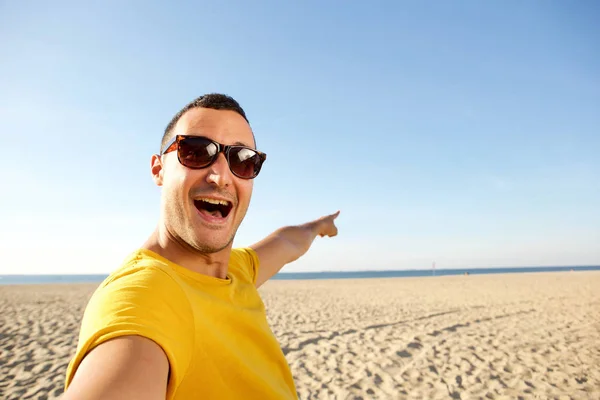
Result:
{"points": [[181, 318]]}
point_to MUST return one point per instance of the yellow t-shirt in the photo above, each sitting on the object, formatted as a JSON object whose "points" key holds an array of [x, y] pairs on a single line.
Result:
{"points": [[214, 331]]}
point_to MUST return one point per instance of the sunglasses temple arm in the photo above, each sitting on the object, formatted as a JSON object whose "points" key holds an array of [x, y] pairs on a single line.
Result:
{"points": [[168, 146]]}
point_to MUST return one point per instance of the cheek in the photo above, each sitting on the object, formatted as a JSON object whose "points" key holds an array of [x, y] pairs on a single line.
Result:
{"points": [[245, 193], [178, 186]]}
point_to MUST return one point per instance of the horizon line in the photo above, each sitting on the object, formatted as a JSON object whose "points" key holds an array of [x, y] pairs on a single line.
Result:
{"points": [[359, 270]]}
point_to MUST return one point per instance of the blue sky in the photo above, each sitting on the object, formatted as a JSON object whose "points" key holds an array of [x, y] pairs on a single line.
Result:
{"points": [[465, 133]]}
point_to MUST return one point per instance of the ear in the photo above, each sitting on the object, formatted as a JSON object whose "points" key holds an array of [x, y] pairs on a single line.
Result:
{"points": [[156, 168]]}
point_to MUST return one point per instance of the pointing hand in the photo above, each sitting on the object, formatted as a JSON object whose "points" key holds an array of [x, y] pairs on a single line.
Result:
{"points": [[326, 225]]}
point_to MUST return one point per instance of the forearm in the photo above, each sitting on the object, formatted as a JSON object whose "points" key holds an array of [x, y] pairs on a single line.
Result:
{"points": [[298, 239], [289, 243]]}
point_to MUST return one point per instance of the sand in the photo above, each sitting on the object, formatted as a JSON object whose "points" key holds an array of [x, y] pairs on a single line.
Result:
{"points": [[461, 337]]}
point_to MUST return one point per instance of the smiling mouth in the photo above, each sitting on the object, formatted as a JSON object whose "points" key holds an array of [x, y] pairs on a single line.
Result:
{"points": [[214, 208]]}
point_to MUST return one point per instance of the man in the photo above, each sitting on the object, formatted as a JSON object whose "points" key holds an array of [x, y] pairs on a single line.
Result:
{"points": [[182, 317]]}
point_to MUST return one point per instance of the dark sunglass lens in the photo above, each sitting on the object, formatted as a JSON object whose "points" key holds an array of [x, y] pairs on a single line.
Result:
{"points": [[196, 152], [244, 162]]}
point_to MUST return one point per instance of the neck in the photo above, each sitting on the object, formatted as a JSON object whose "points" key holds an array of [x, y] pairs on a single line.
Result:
{"points": [[164, 244]]}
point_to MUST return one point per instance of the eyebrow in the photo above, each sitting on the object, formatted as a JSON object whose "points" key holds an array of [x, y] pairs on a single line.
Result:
{"points": [[242, 144], [238, 143]]}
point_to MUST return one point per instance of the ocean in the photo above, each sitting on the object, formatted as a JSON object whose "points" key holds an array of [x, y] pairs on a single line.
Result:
{"points": [[47, 279]]}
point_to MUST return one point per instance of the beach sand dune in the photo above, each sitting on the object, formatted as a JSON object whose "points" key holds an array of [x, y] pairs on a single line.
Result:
{"points": [[460, 337]]}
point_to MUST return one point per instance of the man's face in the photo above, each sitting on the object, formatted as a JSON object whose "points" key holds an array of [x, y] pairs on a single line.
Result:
{"points": [[187, 215]]}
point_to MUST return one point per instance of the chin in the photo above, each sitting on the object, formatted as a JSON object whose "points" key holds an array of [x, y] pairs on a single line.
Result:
{"points": [[212, 245]]}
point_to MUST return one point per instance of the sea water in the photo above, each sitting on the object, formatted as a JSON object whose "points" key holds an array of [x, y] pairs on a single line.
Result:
{"points": [[52, 279]]}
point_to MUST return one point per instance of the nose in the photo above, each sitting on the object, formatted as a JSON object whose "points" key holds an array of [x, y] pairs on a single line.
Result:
{"points": [[219, 173]]}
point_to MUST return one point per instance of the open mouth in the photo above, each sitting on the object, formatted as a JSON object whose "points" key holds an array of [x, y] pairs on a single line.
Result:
{"points": [[214, 208]]}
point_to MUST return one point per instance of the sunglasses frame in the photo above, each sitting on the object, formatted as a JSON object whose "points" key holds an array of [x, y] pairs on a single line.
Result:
{"points": [[173, 144]]}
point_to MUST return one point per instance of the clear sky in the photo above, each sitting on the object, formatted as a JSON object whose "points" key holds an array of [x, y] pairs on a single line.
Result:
{"points": [[465, 133]]}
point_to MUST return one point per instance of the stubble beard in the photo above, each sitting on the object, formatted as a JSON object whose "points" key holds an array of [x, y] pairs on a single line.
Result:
{"points": [[206, 249], [186, 232]]}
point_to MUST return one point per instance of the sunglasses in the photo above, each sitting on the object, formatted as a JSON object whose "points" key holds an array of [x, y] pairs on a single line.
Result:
{"points": [[197, 152]]}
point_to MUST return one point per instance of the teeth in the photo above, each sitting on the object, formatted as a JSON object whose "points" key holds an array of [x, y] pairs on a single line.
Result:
{"points": [[214, 201]]}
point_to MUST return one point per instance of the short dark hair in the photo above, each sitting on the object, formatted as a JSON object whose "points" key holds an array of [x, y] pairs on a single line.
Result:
{"points": [[216, 101]]}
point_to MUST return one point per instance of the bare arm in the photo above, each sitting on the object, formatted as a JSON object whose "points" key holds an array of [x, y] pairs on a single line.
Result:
{"points": [[129, 367], [288, 244]]}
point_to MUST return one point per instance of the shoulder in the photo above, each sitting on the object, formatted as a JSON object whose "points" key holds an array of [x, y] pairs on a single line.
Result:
{"points": [[140, 298], [143, 290], [142, 280], [245, 260]]}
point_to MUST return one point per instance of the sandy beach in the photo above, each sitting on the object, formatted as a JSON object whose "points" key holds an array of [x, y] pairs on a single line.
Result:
{"points": [[459, 337]]}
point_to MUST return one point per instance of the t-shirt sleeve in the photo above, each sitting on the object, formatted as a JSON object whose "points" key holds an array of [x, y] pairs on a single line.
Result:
{"points": [[247, 261], [145, 302]]}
